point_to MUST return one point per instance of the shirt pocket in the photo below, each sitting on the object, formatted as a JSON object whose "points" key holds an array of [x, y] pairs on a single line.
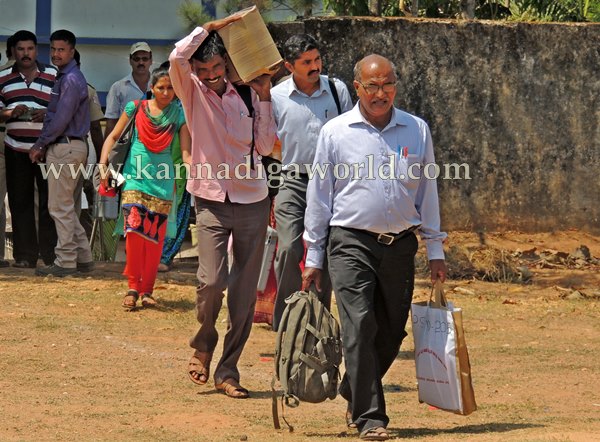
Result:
{"points": [[410, 170], [243, 130]]}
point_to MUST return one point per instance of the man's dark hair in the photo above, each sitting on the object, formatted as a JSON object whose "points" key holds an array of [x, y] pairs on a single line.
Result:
{"points": [[10, 43], [20, 36], [298, 44], [77, 57], [213, 45], [64, 35]]}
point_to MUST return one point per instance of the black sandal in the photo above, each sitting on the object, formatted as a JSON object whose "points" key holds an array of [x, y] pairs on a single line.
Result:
{"points": [[148, 300], [130, 300]]}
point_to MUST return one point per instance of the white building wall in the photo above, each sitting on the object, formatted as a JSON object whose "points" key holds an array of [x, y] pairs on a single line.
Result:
{"points": [[104, 62]]}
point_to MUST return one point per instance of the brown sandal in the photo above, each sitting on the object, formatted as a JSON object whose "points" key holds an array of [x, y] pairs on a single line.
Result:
{"points": [[130, 300], [148, 300], [233, 389], [349, 422], [199, 365], [378, 433]]}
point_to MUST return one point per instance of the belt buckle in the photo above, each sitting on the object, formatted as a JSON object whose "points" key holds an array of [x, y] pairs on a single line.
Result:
{"points": [[385, 239]]}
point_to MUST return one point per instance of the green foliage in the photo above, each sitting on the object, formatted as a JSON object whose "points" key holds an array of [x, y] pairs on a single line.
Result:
{"points": [[231, 6], [347, 7], [531, 10], [304, 7], [544, 10], [193, 14]]}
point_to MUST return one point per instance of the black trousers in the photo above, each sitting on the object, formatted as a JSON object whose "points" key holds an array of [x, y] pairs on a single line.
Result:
{"points": [[21, 178], [373, 285]]}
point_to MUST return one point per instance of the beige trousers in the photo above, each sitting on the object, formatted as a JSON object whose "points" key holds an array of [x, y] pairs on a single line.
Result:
{"points": [[63, 186]]}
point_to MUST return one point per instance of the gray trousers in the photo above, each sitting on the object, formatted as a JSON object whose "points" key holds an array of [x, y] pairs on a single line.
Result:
{"points": [[63, 190], [290, 206], [373, 285], [247, 223]]}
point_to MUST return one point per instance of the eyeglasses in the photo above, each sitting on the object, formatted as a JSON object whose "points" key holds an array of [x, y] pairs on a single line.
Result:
{"points": [[372, 89], [138, 59]]}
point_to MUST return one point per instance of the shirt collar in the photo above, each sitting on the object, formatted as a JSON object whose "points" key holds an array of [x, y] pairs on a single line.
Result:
{"points": [[399, 118], [68, 67], [322, 87], [40, 67], [130, 80]]}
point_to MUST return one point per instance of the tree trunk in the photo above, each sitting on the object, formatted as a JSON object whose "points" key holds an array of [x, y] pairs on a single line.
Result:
{"points": [[375, 7], [467, 9], [414, 8]]}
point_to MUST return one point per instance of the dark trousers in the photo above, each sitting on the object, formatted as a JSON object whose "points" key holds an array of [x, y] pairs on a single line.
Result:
{"points": [[373, 285], [21, 178], [290, 207]]}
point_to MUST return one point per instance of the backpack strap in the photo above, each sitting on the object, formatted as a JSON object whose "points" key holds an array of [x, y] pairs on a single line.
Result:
{"points": [[245, 93], [334, 94]]}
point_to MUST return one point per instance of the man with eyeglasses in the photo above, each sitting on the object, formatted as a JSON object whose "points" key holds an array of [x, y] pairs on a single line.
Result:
{"points": [[366, 222], [131, 88]]}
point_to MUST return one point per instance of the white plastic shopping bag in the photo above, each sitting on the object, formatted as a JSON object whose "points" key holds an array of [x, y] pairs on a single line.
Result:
{"points": [[441, 358]]}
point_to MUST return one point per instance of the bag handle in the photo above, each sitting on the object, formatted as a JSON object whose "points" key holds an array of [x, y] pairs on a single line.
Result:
{"points": [[129, 126], [437, 295]]}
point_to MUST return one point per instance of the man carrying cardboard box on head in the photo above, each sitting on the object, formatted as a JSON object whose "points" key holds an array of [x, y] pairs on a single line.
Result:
{"points": [[230, 197]]}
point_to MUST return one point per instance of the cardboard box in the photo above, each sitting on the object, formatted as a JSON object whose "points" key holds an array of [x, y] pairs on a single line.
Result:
{"points": [[251, 49]]}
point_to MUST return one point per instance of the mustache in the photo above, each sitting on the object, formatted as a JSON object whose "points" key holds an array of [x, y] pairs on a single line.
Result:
{"points": [[312, 72], [25, 58]]}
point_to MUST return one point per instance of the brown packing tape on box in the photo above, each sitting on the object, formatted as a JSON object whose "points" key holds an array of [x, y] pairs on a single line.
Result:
{"points": [[251, 49]]}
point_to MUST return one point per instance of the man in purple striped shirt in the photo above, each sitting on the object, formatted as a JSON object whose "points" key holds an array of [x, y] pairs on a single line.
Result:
{"points": [[63, 144]]}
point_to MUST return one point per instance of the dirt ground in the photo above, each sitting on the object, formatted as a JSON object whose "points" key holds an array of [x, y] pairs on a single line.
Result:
{"points": [[74, 366]]}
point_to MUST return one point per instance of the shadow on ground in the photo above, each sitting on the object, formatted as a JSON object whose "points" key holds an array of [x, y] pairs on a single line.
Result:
{"points": [[492, 427], [413, 433]]}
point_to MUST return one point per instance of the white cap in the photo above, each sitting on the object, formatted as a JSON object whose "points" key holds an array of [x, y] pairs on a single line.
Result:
{"points": [[139, 46]]}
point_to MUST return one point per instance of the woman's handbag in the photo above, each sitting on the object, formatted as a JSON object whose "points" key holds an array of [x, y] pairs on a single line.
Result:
{"points": [[120, 150], [441, 358], [118, 155]]}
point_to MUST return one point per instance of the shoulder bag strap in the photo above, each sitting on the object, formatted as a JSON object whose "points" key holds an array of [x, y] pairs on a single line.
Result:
{"points": [[335, 96], [245, 93]]}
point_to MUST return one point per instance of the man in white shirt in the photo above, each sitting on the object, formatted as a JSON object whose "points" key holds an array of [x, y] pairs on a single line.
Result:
{"points": [[131, 88], [302, 104], [364, 212]]}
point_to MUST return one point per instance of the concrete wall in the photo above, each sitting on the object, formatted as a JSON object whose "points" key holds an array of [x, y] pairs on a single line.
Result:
{"points": [[520, 103]]}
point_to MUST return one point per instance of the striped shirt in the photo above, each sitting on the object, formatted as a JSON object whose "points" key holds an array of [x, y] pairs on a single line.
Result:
{"points": [[14, 90]]}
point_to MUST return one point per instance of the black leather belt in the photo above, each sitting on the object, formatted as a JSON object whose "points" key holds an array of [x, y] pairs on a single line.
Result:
{"points": [[389, 238], [67, 140]]}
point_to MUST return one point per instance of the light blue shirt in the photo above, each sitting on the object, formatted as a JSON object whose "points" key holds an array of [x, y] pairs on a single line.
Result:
{"points": [[299, 118], [377, 194], [121, 93]]}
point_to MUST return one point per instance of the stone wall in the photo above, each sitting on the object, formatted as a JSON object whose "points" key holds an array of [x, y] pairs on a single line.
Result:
{"points": [[518, 102]]}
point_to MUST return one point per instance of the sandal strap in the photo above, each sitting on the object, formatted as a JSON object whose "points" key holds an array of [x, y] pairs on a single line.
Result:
{"points": [[231, 386]]}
